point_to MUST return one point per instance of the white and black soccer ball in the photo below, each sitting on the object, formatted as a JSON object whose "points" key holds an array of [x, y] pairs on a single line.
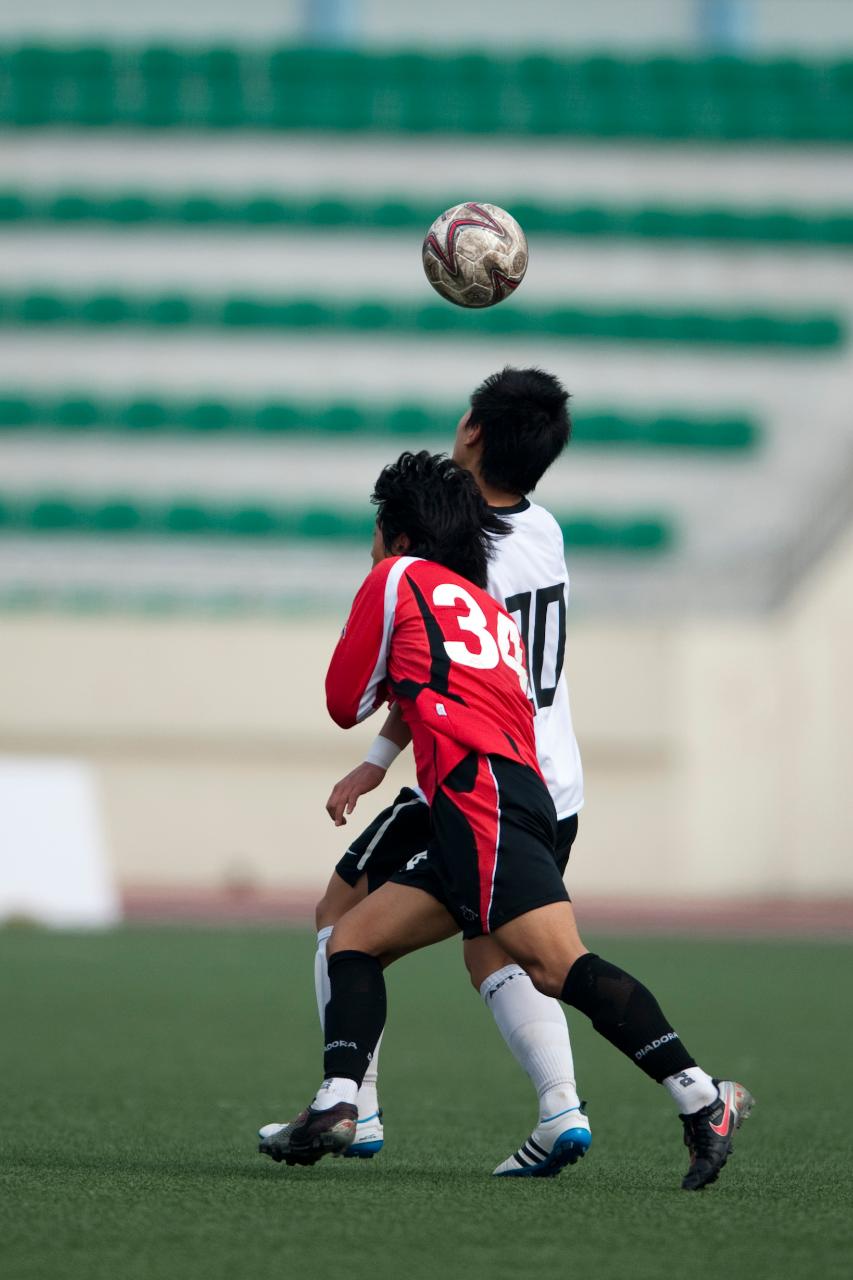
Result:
{"points": [[475, 254]]}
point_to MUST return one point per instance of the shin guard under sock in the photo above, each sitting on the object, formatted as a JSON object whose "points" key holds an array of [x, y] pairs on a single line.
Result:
{"points": [[626, 1013], [355, 1014]]}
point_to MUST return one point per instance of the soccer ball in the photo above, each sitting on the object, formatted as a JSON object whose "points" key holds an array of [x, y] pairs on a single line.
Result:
{"points": [[475, 254]]}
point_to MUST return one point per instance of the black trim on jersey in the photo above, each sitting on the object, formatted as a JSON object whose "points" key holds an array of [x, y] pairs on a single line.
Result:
{"points": [[463, 777], [439, 673], [523, 505], [511, 742]]}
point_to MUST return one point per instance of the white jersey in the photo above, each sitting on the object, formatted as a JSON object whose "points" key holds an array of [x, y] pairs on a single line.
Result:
{"points": [[528, 577]]}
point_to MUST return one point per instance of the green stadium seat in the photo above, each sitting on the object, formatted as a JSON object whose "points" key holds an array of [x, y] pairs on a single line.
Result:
{"points": [[197, 209], [15, 207], [185, 519], [72, 206], [412, 420], [128, 209], [103, 309], [276, 418], [74, 412], [142, 415], [172, 311], [339, 419], [251, 522], [116, 516], [606, 429], [17, 411], [584, 534], [262, 210], [48, 515], [643, 535], [37, 308], [207, 416]]}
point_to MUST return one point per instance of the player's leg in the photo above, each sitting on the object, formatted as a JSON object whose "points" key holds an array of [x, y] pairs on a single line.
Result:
{"points": [[390, 923], [530, 915], [535, 1030], [386, 843], [339, 898], [547, 944]]}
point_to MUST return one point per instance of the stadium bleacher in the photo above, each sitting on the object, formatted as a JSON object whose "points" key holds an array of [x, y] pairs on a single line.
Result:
{"points": [[192, 317]]}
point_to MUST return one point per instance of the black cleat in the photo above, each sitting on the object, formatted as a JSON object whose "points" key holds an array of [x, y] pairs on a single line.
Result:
{"points": [[312, 1135], [708, 1133]]}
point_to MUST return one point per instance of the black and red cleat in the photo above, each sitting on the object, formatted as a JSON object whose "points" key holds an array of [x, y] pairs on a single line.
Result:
{"points": [[312, 1135], [708, 1133]]}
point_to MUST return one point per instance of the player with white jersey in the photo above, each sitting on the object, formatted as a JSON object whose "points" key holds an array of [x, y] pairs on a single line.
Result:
{"points": [[517, 425], [528, 577]]}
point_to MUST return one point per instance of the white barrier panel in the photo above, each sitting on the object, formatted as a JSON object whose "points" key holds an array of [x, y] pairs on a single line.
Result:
{"points": [[53, 862]]}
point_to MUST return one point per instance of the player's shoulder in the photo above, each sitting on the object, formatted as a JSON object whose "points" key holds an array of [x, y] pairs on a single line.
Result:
{"points": [[392, 567], [532, 520], [443, 584], [545, 519]]}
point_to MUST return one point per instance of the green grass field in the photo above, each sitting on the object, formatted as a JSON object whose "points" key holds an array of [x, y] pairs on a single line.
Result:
{"points": [[135, 1067]]}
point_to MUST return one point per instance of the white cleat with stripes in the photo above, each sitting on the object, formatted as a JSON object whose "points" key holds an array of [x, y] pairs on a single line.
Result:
{"points": [[555, 1142], [369, 1137]]}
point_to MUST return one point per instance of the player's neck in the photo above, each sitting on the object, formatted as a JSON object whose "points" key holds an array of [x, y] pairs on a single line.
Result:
{"points": [[495, 497]]}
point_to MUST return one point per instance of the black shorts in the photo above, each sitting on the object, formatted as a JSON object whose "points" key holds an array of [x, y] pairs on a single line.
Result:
{"points": [[492, 853], [393, 837], [402, 830]]}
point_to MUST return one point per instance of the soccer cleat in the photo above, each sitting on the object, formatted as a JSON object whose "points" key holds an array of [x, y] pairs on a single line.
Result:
{"points": [[312, 1135], [708, 1133], [369, 1137], [555, 1142]]}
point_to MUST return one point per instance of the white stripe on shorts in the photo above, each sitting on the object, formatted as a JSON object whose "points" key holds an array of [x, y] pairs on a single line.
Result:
{"points": [[365, 857]]}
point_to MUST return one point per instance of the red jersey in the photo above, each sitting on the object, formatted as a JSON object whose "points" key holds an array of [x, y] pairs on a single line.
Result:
{"points": [[453, 658]]}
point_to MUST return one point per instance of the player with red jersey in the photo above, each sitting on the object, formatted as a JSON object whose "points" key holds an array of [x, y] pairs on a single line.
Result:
{"points": [[465, 729], [424, 632]]}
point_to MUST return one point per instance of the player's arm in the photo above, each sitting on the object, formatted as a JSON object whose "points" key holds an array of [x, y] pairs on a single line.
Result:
{"points": [[356, 679], [393, 737]]}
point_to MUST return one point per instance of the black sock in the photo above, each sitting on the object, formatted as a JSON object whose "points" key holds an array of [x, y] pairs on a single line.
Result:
{"points": [[627, 1014], [355, 1014]]}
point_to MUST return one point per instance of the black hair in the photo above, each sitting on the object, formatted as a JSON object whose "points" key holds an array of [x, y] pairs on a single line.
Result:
{"points": [[439, 507], [524, 419]]}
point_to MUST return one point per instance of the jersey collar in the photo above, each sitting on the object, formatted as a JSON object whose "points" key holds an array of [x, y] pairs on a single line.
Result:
{"points": [[523, 505]]}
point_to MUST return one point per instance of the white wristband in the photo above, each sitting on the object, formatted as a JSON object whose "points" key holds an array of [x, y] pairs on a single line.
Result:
{"points": [[382, 752]]}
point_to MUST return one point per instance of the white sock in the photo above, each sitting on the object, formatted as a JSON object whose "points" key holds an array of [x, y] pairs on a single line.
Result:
{"points": [[334, 1090], [691, 1090], [368, 1101], [535, 1029], [321, 973]]}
